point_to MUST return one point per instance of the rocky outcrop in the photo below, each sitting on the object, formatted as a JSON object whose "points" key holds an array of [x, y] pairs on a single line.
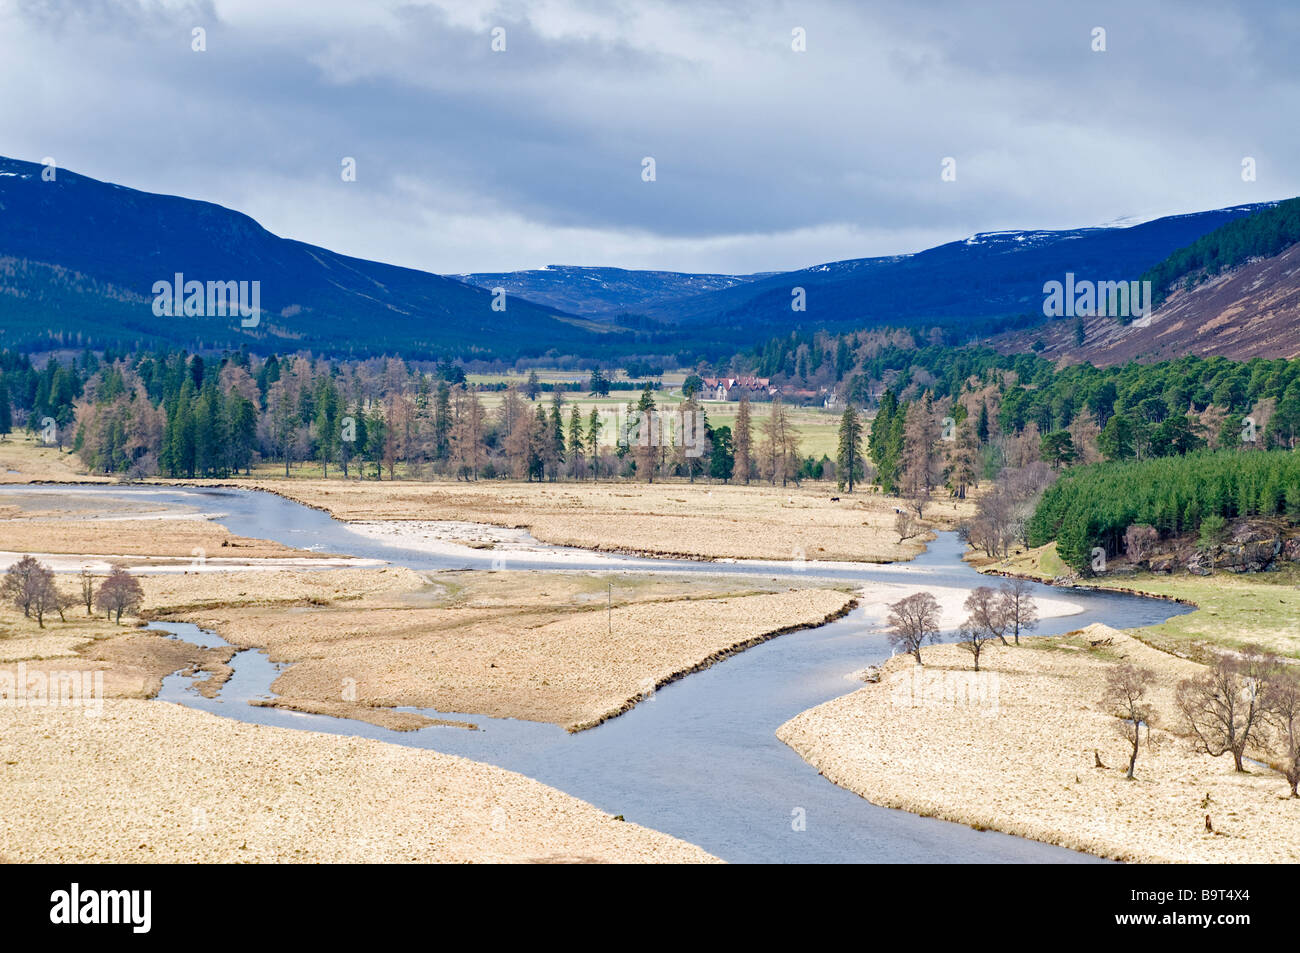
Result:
{"points": [[1162, 562], [1250, 545]]}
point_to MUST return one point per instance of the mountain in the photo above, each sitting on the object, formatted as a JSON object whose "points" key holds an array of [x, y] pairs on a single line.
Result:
{"points": [[983, 284], [594, 292], [79, 259], [1262, 235], [1250, 311]]}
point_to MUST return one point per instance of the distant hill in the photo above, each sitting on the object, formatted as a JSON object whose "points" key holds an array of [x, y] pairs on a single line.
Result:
{"points": [[1265, 233], [606, 292], [1251, 311], [79, 258], [984, 284]]}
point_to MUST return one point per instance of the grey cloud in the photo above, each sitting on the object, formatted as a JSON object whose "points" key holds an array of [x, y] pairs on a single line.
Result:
{"points": [[757, 147]]}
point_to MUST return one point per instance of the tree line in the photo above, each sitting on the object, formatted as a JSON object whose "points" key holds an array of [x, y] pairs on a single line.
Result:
{"points": [[923, 439], [186, 416], [1262, 235], [1027, 389]]}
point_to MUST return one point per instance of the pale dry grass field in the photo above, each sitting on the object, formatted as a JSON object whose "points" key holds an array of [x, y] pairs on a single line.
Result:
{"points": [[186, 540], [698, 521], [131, 661], [145, 781], [1014, 752], [536, 646], [25, 459], [148, 782], [566, 648], [170, 595], [78, 523], [703, 521]]}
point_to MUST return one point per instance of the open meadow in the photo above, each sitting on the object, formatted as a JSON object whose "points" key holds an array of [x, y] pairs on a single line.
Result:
{"points": [[817, 426], [568, 648], [147, 781], [1233, 609], [700, 520], [572, 649], [1019, 748]]}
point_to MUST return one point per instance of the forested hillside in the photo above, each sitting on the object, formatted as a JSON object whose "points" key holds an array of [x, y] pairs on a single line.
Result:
{"points": [[79, 260], [1094, 506], [1168, 446], [1266, 233]]}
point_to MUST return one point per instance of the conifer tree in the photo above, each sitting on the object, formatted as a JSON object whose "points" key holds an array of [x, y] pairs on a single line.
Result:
{"points": [[743, 441], [848, 461]]}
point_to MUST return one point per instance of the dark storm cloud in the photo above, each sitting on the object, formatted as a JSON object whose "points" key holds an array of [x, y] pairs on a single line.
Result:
{"points": [[766, 158]]}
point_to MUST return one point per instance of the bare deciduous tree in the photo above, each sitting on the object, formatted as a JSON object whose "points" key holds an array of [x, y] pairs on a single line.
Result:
{"points": [[993, 527], [988, 612], [912, 621], [1002, 514], [779, 448], [963, 459], [1125, 697], [1019, 607], [1027, 482], [87, 580], [905, 526], [45, 595], [986, 621], [742, 441], [1284, 716], [1224, 707], [63, 601], [119, 592], [20, 583], [467, 426], [29, 585], [919, 461], [1140, 541]]}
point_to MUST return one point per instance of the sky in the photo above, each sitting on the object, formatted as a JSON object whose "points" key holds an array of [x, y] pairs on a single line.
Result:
{"points": [[766, 157]]}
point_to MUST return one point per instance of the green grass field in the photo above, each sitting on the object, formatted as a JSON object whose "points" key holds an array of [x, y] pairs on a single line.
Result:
{"points": [[817, 427], [1233, 609]]}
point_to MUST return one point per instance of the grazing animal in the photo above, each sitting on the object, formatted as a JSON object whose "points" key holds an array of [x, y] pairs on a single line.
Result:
{"points": [[835, 499]]}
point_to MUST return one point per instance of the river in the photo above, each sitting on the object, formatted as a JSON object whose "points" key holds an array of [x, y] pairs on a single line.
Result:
{"points": [[700, 759]]}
